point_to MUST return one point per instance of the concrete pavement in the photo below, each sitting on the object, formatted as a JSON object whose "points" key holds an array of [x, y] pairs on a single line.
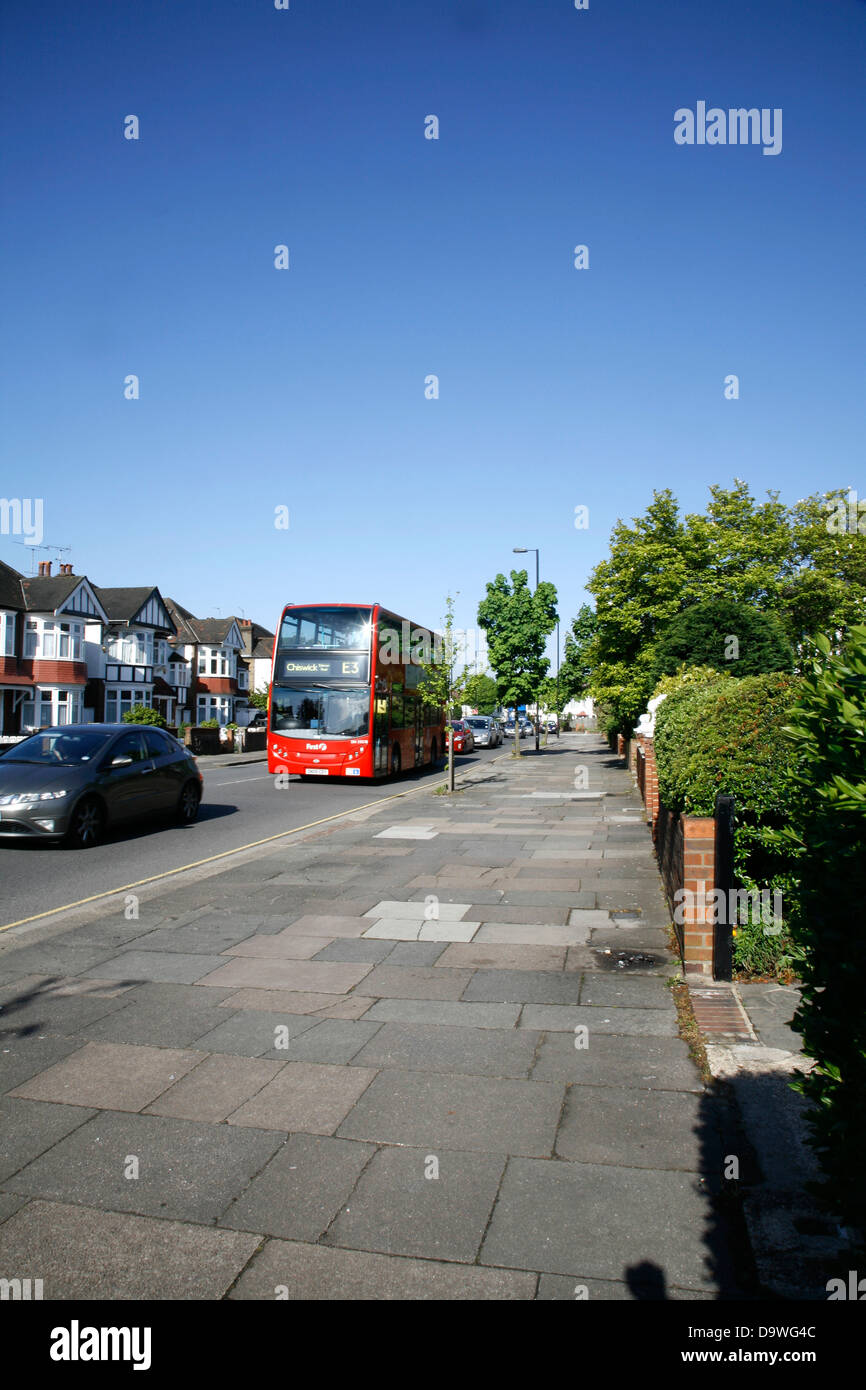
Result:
{"points": [[425, 1052]]}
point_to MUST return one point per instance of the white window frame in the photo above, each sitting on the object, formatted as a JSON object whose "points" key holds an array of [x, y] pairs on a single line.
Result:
{"points": [[120, 698], [7, 634], [62, 704]]}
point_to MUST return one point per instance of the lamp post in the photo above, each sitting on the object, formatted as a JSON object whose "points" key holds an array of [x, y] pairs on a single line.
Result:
{"points": [[528, 550]]}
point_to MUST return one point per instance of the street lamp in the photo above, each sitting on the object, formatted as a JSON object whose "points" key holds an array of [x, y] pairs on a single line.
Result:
{"points": [[528, 550]]}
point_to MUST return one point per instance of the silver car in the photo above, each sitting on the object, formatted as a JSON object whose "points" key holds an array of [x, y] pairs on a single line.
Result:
{"points": [[74, 781], [482, 730]]}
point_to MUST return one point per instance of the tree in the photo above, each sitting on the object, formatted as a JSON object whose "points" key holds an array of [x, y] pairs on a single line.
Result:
{"points": [[806, 564], [481, 693], [517, 623], [575, 672], [729, 636], [651, 570], [441, 684], [259, 699], [143, 714]]}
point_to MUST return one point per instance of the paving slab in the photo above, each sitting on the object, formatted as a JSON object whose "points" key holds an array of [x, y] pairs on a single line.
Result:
{"points": [[21, 1058], [203, 937], [84, 1253], [475, 1051], [547, 1219], [110, 1076], [254, 1032], [405, 911], [636, 1128], [522, 987], [296, 1002], [186, 1170], [302, 1188], [329, 925], [159, 1015], [9, 1204], [215, 1088], [488, 1114], [480, 955], [627, 991], [29, 1127], [511, 934], [302, 975], [644, 1286], [170, 967], [416, 982], [305, 1096], [36, 1004], [354, 949], [445, 1012], [410, 1202], [277, 946], [612, 1059], [561, 1018], [416, 952], [308, 1273], [333, 1041]]}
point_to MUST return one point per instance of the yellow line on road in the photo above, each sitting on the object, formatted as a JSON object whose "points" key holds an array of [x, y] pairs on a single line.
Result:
{"points": [[225, 854]]}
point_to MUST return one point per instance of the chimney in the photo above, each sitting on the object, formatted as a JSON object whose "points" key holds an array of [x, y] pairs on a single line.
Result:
{"points": [[44, 569], [65, 569]]}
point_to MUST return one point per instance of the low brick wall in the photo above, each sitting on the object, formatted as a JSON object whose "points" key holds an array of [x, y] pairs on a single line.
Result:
{"points": [[686, 852]]}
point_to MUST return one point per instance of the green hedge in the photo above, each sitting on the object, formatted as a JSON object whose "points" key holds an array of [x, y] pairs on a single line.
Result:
{"points": [[727, 735], [829, 920]]}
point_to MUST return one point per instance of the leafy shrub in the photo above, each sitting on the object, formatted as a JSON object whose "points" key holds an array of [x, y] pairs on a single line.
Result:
{"points": [[828, 732], [701, 636], [209, 724], [686, 676], [725, 735], [143, 714]]}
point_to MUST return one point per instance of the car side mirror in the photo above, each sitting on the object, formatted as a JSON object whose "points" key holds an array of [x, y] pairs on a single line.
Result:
{"points": [[121, 762]]}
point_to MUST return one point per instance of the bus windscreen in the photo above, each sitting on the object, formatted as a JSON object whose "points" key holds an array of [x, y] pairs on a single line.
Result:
{"points": [[341, 629]]}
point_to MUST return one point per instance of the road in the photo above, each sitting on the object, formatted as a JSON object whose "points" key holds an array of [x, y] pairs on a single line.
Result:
{"points": [[240, 806]]}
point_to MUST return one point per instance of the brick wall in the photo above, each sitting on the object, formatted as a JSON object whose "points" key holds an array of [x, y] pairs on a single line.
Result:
{"points": [[686, 852]]}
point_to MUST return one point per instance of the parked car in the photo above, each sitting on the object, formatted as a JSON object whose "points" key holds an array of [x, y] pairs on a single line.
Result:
{"points": [[259, 720], [73, 782], [464, 741], [483, 730]]}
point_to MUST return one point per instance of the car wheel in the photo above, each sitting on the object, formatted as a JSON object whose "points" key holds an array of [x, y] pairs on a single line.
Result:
{"points": [[395, 760], [190, 800], [86, 824]]}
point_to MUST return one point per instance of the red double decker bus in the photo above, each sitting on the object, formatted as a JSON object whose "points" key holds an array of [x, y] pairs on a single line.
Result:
{"points": [[347, 693]]}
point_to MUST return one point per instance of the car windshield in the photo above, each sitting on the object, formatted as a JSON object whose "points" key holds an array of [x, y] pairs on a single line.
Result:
{"points": [[477, 723], [55, 747]]}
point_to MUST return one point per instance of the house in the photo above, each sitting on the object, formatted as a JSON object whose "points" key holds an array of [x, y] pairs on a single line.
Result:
{"points": [[129, 659], [43, 664], [258, 655], [212, 646], [72, 652]]}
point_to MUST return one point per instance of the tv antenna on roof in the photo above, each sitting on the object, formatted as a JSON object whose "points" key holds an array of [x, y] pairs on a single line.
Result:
{"points": [[55, 550]]}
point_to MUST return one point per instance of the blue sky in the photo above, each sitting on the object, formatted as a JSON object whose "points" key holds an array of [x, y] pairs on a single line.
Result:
{"points": [[305, 388]]}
